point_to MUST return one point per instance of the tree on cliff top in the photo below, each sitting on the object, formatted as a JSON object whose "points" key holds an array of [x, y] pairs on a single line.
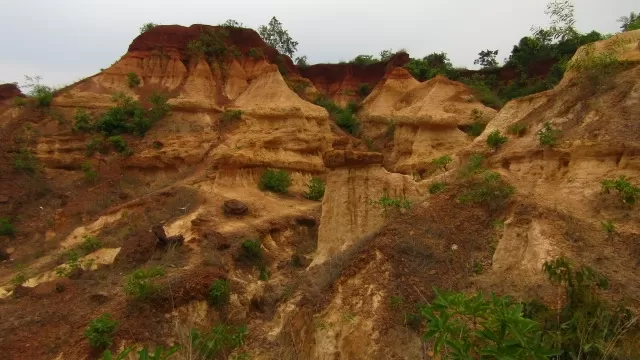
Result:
{"points": [[631, 22], [277, 37]]}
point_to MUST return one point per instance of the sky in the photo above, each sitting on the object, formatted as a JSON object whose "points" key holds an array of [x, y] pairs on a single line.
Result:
{"points": [[66, 40]]}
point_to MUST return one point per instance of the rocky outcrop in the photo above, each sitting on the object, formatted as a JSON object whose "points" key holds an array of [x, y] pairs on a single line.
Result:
{"points": [[341, 82], [9, 91], [423, 119]]}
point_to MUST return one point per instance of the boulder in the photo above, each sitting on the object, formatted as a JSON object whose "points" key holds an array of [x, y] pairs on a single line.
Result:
{"points": [[235, 207]]}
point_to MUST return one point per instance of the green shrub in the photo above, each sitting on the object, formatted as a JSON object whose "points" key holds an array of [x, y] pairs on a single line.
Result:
{"points": [[129, 117], [146, 27], [159, 353], [346, 120], [484, 93], [472, 327], [90, 244], [141, 283], [264, 273], [219, 341], [364, 60], [97, 144], [437, 187], [231, 115], [18, 279], [315, 189], [256, 53], [19, 101], [101, 330], [275, 180], [83, 122], [251, 250], [25, 161], [598, 69], [364, 90], [474, 165], [219, 292], [133, 80], [90, 175], [386, 203], [391, 129], [475, 129], [548, 136], [628, 193], [6, 228], [120, 144], [609, 227], [72, 263], [441, 163], [517, 129], [495, 139], [488, 189], [43, 95]]}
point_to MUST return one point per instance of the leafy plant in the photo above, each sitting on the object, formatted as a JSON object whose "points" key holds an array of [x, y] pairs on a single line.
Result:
{"points": [[488, 189], [256, 53], [141, 283], [129, 117], [275, 180], [251, 250], [19, 101], [597, 68], [90, 175], [301, 61], [83, 122], [436, 187], [487, 59], [25, 161], [72, 264], [6, 227], [474, 165], [430, 66], [18, 279], [96, 144], [232, 23], [628, 193], [441, 163], [517, 129], [90, 244], [146, 27], [120, 144], [476, 128], [364, 60], [548, 136], [41, 93], [219, 341], [470, 327], [391, 129], [386, 203], [315, 189], [133, 80], [495, 140], [101, 330], [264, 273], [278, 38], [107, 355], [219, 292], [630, 23], [231, 115], [364, 90], [609, 227]]}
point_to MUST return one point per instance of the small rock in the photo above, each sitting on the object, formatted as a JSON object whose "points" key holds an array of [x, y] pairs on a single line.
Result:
{"points": [[454, 247], [432, 272], [234, 207], [59, 288]]}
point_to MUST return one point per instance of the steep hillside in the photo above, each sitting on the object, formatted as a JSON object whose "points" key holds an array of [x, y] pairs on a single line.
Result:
{"points": [[193, 193]]}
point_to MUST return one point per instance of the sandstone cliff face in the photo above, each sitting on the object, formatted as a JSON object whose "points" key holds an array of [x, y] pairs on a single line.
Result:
{"points": [[422, 119]]}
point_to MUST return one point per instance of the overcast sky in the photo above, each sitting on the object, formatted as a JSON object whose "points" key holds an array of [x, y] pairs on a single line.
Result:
{"points": [[66, 40]]}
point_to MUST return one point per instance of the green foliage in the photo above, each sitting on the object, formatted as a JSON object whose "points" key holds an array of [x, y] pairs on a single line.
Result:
{"points": [[483, 92], [476, 128], [347, 121], [6, 228], [251, 250], [96, 144], [25, 161], [548, 136], [386, 55], [495, 139], [90, 244], [517, 129], [301, 61], [473, 166], [141, 283], [386, 203], [107, 355], [90, 175], [628, 193], [609, 227], [391, 129], [315, 189], [364, 90], [83, 122], [597, 68], [471, 327], [120, 144], [278, 38], [232, 24], [275, 180], [264, 273], [442, 162], [364, 60], [19, 101], [129, 117], [73, 263], [587, 327], [42, 94], [487, 59], [630, 23], [229, 116], [219, 341], [256, 53], [489, 189], [133, 80], [430, 66], [101, 330], [436, 187], [18, 279], [146, 27], [219, 292]]}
